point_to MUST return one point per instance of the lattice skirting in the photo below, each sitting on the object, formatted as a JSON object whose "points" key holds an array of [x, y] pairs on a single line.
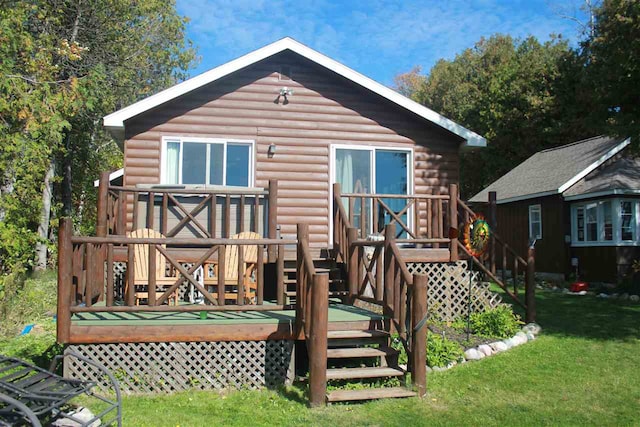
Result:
{"points": [[177, 366], [448, 289]]}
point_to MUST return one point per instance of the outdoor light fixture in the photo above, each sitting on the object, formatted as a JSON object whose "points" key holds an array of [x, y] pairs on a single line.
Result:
{"points": [[285, 91], [271, 151]]}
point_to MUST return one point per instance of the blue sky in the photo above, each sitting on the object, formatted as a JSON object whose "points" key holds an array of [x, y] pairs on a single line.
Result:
{"points": [[378, 38]]}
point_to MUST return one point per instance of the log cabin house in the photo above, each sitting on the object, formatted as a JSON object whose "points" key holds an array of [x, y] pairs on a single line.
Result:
{"points": [[348, 191], [579, 202]]}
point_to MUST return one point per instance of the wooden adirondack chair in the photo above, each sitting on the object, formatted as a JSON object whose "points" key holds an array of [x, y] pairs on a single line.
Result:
{"points": [[250, 254], [141, 268]]}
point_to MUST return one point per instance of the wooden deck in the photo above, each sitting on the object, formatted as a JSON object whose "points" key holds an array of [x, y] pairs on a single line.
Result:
{"points": [[167, 326]]}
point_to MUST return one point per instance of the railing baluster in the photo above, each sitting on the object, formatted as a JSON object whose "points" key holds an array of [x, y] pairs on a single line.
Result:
{"points": [[227, 216], [134, 221], [240, 272], [150, 210], [280, 275], [131, 276], [110, 284], [151, 285], [164, 213], [213, 205], [241, 214], [260, 276], [379, 294], [222, 289]]}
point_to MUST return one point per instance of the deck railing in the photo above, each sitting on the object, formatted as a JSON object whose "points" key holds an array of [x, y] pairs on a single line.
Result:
{"points": [[172, 209], [86, 281]]}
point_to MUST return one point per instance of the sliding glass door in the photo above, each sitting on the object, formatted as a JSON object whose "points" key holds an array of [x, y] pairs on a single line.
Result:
{"points": [[371, 170]]}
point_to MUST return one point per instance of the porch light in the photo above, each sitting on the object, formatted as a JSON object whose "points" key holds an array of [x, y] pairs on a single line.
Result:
{"points": [[271, 151]]}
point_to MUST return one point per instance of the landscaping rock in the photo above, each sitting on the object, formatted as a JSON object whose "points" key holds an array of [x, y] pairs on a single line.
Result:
{"points": [[438, 369], [534, 328], [624, 296], [602, 295], [82, 414], [429, 369], [613, 296], [530, 336], [634, 298], [520, 338], [473, 354], [498, 346], [485, 349], [509, 342]]}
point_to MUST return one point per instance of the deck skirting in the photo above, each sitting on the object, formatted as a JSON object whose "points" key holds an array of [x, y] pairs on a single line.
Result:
{"points": [[166, 367]]}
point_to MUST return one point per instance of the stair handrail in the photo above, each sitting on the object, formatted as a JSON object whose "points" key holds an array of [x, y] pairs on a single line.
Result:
{"points": [[528, 267], [305, 272], [341, 225]]}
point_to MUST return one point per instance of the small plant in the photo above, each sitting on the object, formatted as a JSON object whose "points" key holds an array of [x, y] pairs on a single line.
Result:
{"points": [[396, 343], [498, 322], [442, 351]]}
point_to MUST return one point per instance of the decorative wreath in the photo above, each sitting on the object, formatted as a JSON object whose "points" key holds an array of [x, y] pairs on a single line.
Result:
{"points": [[476, 235]]}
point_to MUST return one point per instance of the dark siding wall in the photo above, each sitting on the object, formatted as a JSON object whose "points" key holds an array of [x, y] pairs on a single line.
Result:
{"points": [[597, 263], [551, 250], [325, 109]]}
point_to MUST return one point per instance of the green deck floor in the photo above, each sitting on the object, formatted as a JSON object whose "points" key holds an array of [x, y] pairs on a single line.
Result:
{"points": [[337, 313]]}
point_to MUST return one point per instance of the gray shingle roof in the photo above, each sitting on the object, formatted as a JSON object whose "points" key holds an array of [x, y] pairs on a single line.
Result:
{"points": [[547, 171], [621, 174]]}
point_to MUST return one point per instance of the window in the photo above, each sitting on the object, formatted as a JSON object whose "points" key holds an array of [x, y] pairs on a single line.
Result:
{"points": [[611, 221], [535, 222], [372, 170], [627, 220], [195, 161]]}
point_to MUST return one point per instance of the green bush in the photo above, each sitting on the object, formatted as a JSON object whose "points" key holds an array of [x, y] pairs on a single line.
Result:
{"points": [[499, 322], [442, 351]]}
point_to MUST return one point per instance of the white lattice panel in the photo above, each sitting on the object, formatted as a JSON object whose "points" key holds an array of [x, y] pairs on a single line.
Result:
{"points": [[176, 366], [448, 289]]}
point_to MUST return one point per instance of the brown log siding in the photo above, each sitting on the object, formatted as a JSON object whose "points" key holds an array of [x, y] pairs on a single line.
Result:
{"points": [[325, 109]]}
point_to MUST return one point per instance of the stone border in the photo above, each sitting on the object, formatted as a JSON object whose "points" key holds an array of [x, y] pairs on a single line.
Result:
{"points": [[528, 333]]}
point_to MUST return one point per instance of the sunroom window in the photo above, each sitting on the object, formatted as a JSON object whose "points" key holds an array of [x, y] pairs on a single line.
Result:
{"points": [[190, 161], [611, 221]]}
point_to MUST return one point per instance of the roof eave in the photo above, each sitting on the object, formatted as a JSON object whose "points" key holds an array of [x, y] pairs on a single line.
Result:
{"points": [[117, 119]]}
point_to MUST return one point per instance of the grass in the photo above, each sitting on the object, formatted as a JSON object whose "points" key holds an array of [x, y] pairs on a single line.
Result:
{"points": [[583, 370]]}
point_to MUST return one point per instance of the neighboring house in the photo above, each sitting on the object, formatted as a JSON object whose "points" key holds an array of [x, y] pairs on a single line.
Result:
{"points": [[580, 202], [289, 113]]}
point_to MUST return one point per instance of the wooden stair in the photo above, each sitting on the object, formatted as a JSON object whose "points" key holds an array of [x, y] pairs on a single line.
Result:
{"points": [[356, 346], [337, 283]]}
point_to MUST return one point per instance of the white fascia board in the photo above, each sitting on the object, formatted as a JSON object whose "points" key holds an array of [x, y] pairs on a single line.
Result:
{"points": [[606, 156], [526, 197], [113, 175], [614, 192], [116, 120]]}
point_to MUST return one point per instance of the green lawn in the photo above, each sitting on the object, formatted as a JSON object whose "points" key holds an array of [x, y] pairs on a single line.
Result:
{"points": [[583, 370]]}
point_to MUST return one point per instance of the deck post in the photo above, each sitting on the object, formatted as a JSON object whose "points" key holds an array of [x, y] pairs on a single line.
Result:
{"points": [[103, 202], [389, 277], [419, 332], [334, 208], [65, 279], [530, 286], [272, 215], [493, 223], [453, 222], [317, 343], [352, 236]]}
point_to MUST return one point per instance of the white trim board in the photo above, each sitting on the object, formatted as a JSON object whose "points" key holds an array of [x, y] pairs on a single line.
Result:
{"points": [[114, 122]]}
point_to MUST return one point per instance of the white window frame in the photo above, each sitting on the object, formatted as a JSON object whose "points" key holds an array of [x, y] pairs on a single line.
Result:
{"points": [[372, 156], [222, 141], [532, 209], [616, 211]]}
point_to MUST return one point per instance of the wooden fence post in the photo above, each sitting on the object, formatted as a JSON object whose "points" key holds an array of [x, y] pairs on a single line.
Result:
{"points": [[352, 236], [493, 223], [272, 215], [530, 286], [453, 222], [317, 344], [65, 279], [419, 340]]}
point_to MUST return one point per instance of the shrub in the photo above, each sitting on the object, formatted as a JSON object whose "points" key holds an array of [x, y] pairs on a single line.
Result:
{"points": [[499, 322], [38, 347], [442, 351]]}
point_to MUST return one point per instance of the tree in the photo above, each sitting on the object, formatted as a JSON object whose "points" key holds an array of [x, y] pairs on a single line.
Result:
{"points": [[610, 59], [63, 65], [506, 90]]}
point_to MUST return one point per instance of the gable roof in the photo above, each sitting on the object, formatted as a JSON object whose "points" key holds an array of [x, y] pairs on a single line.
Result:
{"points": [[621, 175], [553, 171], [115, 122]]}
